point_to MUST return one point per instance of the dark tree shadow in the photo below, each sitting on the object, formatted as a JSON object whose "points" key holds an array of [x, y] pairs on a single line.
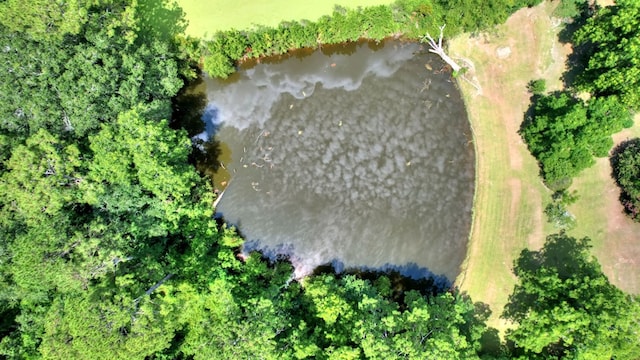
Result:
{"points": [[192, 113], [161, 19], [563, 255], [577, 61], [346, 48], [188, 108], [205, 156], [403, 278], [8, 323], [491, 346]]}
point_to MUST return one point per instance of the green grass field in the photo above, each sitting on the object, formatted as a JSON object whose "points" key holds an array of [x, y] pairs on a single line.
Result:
{"points": [[616, 241], [510, 197], [206, 17]]}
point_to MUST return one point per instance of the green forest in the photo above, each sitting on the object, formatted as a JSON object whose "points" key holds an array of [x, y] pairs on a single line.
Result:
{"points": [[109, 248]]}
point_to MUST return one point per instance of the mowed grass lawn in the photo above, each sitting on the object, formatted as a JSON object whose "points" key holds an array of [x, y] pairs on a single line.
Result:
{"points": [[206, 17], [510, 197]]}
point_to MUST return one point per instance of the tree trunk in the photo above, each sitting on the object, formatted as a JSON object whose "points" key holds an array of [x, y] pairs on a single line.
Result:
{"points": [[436, 48]]}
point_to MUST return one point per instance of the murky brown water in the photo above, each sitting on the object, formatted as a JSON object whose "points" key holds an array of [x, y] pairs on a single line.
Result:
{"points": [[362, 159]]}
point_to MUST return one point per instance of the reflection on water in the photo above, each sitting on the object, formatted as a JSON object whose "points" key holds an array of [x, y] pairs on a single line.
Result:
{"points": [[360, 159]]}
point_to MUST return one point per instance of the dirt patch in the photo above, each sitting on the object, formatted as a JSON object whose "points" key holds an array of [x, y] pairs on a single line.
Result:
{"points": [[620, 253]]}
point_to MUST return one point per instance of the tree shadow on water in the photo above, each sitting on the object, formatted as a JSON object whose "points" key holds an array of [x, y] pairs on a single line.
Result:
{"points": [[403, 278], [189, 108], [193, 113]]}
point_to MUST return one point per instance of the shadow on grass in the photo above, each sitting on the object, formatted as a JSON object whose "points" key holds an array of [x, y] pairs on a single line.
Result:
{"points": [[562, 256], [160, 19], [577, 61]]}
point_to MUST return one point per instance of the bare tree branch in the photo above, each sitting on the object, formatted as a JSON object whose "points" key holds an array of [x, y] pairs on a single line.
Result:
{"points": [[436, 48]]}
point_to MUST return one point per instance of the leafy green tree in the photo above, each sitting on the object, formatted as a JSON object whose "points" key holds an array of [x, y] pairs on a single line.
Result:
{"points": [[44, 19], [612, 36], [217, 325], [564, 134], [352, 317], [110, 222], [218, 65], [537, 87], [377, 22], [626, 170], [88, 76], [88, 325], [410, 18], [565, 307], [557, 213]]}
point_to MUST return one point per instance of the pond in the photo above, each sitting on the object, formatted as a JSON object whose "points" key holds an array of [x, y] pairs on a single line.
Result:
{"points": [[357, 155]]}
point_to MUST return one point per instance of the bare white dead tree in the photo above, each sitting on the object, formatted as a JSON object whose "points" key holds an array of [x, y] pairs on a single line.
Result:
{"points": [[436, 48]]}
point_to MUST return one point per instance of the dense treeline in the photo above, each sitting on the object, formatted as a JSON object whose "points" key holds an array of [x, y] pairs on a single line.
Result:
{"points": [[109, 249], [409, 18], [565, 132]]}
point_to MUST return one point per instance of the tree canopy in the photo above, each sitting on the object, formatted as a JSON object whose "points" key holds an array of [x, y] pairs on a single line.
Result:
{"points": [[410, 18], [564, 133], [109, 248], [612, 36], [100, 67], [565, 307]]}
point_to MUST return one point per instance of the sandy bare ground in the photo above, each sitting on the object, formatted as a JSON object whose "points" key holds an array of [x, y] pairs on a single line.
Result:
{"points": [[616, 240]]}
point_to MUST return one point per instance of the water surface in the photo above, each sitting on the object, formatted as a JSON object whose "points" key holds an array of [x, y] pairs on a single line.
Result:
{"points": [[363, 159]]}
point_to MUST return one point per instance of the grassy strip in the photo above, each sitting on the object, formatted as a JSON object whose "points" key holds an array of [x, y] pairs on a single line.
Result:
{"points": [[509, 194], [208, 17], [616, 241]]}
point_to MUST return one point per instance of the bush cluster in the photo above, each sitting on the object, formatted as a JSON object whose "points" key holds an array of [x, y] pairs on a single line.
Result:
{"points": [[408, 18]]}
